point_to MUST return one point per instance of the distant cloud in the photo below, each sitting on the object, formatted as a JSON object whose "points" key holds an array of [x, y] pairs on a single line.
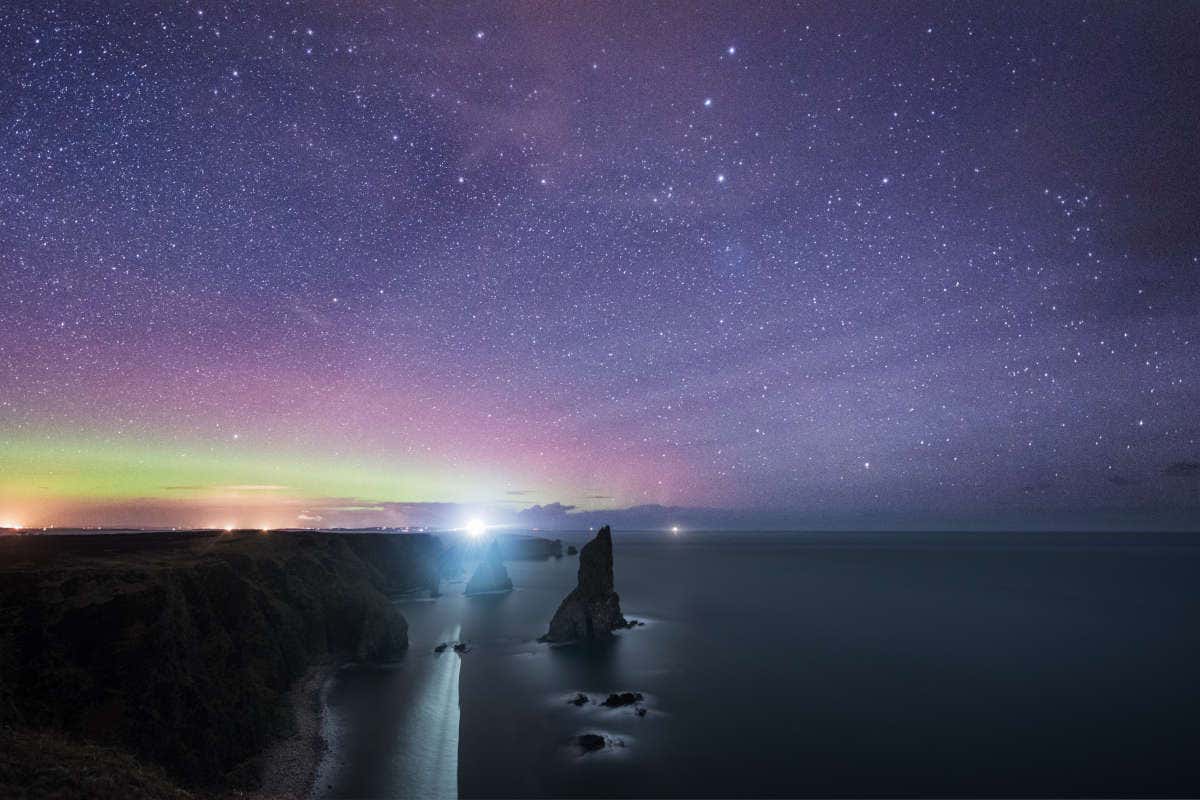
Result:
{"points": [[1183, 469], [236, 487], [518, 492], [544, 516], [254, 487], [597, 497]]}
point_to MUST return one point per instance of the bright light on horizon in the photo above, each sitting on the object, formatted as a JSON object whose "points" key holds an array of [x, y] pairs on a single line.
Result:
{"points": [[11, 525], [675, 529], [475, 528]]}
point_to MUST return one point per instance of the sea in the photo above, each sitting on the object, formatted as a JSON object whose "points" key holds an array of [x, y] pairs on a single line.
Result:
{"points": [[799, 665]]}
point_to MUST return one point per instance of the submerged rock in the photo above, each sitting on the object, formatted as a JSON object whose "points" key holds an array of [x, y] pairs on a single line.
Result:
{"points": [[572, 550], [622, 699], [592, 610], [590, 741], [490, 575]]}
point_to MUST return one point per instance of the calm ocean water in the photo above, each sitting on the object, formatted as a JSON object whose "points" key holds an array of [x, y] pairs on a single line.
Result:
{"points": [[802, 664]]}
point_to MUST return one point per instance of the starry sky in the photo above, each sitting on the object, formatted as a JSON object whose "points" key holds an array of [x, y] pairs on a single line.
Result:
{"points": [[799, 264]]}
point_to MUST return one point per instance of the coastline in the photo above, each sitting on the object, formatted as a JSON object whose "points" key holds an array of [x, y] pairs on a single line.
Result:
{"points": [[290, 765]]}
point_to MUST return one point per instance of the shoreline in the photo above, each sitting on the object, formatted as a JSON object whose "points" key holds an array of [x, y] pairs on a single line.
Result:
{"points": [[290, 765]]}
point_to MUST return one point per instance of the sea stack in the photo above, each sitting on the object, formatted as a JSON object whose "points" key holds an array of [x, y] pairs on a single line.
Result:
{"points": [[592, 610], [490, 575]]}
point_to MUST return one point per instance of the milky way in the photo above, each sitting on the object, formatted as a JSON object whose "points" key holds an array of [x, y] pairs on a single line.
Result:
{"points": [[331, 261]]}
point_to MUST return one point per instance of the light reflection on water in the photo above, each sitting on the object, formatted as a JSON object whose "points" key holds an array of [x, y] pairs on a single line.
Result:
{"points": [[393, 730], [426, 747]]}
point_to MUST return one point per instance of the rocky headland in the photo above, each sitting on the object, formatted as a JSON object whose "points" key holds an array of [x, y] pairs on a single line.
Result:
{"points": [[518, 547]]}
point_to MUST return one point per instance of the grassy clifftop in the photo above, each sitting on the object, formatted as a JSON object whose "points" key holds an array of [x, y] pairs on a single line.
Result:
{"points": [[178, 647]]}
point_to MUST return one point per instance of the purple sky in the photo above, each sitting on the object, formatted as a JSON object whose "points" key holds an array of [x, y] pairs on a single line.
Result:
{"points": [[822, 263]]}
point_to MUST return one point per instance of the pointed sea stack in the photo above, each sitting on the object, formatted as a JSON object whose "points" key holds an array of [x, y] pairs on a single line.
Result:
{"points": [[490, 575], [592, 610]]}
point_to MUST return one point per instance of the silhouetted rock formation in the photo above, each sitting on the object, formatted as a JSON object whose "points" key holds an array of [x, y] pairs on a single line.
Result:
{"points": [[622, 699], [572, 550], [592, 609], [515, 547], [590, 741], [490, 575]]}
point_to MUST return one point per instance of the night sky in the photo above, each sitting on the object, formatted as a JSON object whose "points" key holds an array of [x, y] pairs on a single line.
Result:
{"points": [[824, 264]]}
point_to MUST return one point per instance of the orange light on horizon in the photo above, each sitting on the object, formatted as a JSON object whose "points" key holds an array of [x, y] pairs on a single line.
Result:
{"points": [[10, 525]]}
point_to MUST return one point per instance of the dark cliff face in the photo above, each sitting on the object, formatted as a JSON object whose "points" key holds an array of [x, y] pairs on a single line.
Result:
{"points": [[181, 653], [399, 562], [593, 609], [490, 575]]}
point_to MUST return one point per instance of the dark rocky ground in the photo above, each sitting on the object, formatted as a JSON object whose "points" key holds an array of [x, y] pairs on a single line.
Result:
{"points": [[162, 659]]}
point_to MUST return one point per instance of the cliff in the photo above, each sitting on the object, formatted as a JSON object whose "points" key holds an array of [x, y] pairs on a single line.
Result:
{"points": [[399, 563], [178, 647], [593, 609], [516, 547]]}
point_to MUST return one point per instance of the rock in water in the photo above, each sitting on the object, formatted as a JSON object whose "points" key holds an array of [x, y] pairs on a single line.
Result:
{"points": [[490, 575], [590, 741], [592, 610], [622, 699]]}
